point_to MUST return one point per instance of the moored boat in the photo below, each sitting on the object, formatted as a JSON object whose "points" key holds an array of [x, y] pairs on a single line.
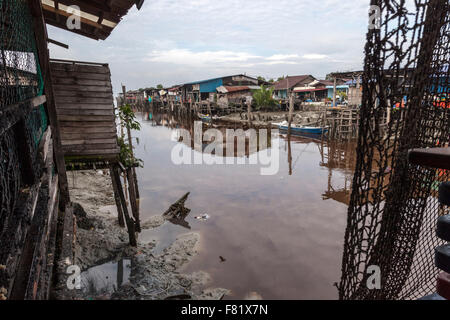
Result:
{"points": [[204, 117], [295, 129]]}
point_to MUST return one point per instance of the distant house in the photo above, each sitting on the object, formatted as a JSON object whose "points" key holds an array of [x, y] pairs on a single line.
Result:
{"points": [[316, 90], [174, 93], [132, 97], [282, 89], [354, 92], [206, 89], [234, 94]]}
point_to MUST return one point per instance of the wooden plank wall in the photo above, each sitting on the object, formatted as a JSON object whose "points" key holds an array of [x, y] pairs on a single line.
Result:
{"points": [[85, 109]]}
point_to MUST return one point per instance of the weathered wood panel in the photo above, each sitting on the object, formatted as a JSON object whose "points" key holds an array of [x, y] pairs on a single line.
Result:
{"points": [[85, 108], [79, 88], [85, 112], [63, 100], [88, 124], [98, 106], [89, 118], [78, 68], [90, 141], [81, 82], [75, 130], [82, 75], [84, 94], [86, 136]]}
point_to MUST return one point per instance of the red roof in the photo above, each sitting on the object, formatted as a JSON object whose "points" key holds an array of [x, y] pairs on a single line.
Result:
{"points": [[293, 81], [236, 88], [310, 90]]}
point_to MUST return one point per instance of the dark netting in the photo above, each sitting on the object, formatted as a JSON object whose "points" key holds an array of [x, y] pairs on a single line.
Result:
{"points": [[393, 208], [35, 126], [20, 80], [10, 175], [20, 76]]}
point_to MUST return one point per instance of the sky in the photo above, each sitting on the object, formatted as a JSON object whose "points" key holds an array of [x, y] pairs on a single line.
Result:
{"points": [[172, 42]]}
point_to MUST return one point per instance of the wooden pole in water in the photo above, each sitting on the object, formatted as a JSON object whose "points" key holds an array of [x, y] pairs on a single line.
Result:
{"points": [[334, 92], [249, 111], [291, 110]]}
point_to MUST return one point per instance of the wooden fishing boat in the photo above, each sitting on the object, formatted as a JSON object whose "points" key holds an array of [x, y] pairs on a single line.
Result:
{"points": [[204, 117], [295, 129]]}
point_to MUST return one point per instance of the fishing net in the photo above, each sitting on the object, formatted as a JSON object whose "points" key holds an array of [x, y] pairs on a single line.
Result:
{"points": [[20, 80], [393, 207]]}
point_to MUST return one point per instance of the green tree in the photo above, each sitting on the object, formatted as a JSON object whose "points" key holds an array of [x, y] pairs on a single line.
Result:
{"points": [[280, 78], [160, 86], [342, 94], [264, 98], [128, 119], [260, 78]]}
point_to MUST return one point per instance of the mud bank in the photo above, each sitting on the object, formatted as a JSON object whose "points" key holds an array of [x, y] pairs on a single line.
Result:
{"points": [[268, 118], [100, 240]]}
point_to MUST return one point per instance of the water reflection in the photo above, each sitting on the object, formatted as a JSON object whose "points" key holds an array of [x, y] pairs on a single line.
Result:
{"points": [[281, 235], [106, 278]]}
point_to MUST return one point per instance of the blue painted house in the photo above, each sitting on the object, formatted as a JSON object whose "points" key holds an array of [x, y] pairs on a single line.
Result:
{"points": [[205, 89]]}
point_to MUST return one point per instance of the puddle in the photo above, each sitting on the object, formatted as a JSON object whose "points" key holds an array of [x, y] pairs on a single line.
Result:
{"points": [[164, 236], [106, 278]]}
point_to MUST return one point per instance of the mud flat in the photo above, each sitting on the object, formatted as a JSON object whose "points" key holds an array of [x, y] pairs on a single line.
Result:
{"points": [[268, 118], [101, 243]]}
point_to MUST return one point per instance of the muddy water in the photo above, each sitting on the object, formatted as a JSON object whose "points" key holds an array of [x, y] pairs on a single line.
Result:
{"points": [[277, 237]]}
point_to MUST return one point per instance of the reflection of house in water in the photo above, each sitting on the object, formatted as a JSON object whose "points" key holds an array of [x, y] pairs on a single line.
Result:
{"points": [[339, 156], [242, 144], [238, 150]]}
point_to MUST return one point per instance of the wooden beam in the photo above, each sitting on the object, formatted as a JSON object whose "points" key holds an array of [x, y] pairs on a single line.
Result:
{"points": [[44, 58], [438, 158], [65, 46], [10, 115], [66, 14]]}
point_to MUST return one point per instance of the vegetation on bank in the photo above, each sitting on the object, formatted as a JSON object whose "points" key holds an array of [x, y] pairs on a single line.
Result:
{"points": [[263, 99], [128, 120]]}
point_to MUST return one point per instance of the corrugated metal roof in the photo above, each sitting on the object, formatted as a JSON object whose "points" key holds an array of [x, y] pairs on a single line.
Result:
{"points": [[218, 78], [293, 81], [229, 89], [310, 89]]}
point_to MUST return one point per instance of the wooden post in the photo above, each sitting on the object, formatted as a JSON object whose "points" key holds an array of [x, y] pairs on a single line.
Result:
{"points": [[129, 221], [122, 133], [44, 61], [249, 112], [291, 110], [334, 92], [133, 198], [209, 109], [117, 197]]}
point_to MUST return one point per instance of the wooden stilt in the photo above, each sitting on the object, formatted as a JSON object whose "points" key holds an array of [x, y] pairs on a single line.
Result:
{"points": [[117, 198], [129, 221], [133, 199]]}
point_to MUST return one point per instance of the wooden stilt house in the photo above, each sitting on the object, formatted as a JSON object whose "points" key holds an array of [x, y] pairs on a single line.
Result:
{"points": [[36, 117]]}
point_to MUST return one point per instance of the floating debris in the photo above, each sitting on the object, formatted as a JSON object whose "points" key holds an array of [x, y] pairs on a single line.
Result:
{"points": [[203, 217], [177, 212]]}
